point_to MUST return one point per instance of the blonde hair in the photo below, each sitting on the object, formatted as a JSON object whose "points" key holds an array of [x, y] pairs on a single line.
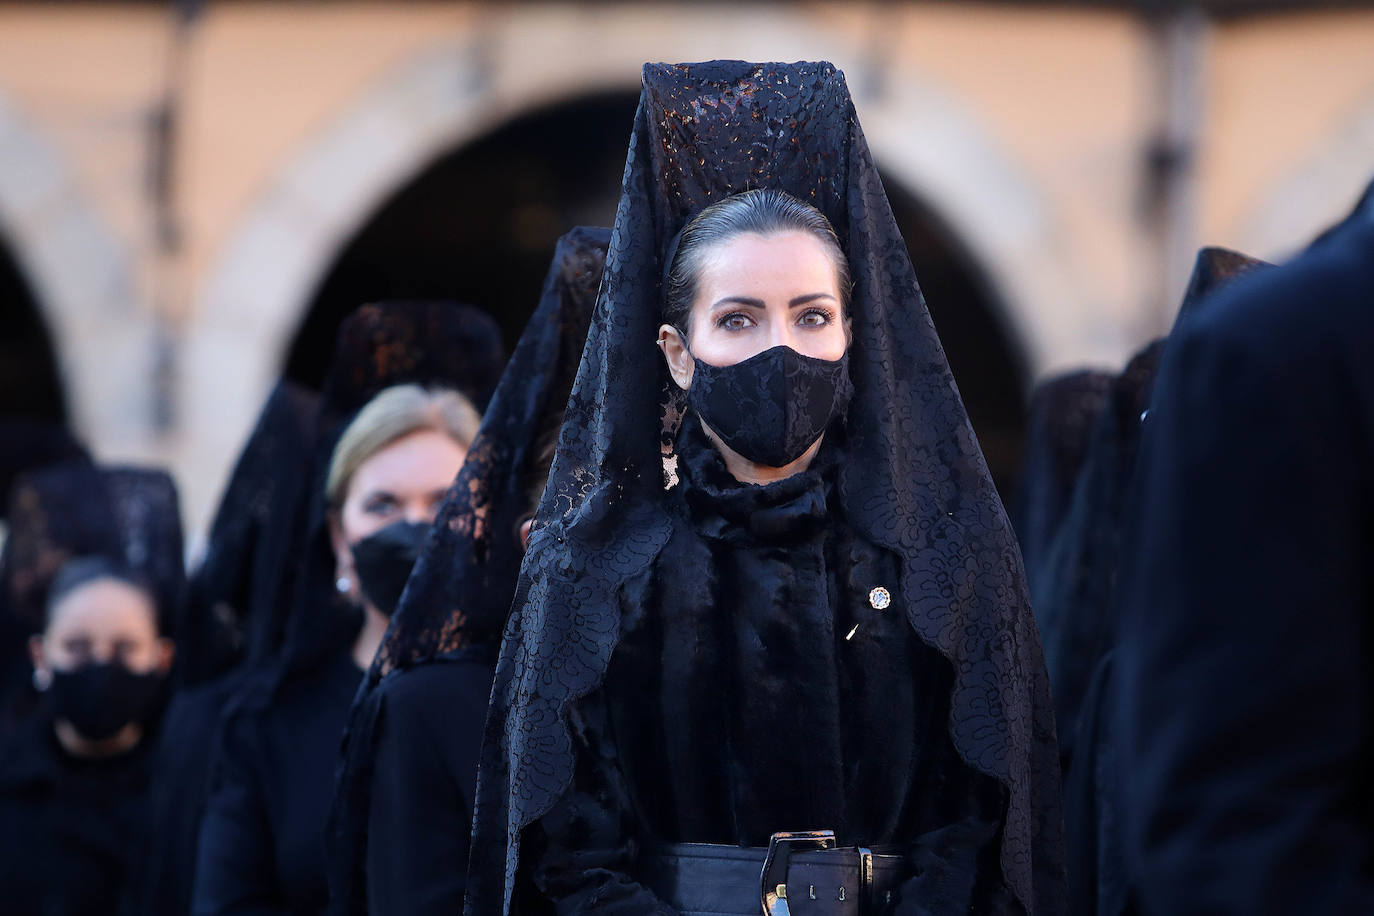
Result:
{"points": [[392, 414]]}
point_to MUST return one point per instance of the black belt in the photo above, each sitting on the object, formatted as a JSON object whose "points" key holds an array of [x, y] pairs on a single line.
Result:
{"points": [[799, 874]]}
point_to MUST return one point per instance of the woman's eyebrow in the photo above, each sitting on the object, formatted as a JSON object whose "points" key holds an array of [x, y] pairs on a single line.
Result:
{"points": [[737, 300], [759, 303]]}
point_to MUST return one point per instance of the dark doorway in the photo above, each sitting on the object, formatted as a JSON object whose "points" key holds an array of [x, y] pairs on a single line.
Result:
{"points": [[30, 385], [479, 225]]}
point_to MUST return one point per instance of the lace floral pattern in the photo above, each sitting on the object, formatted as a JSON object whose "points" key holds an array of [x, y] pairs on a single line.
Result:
{"points": [[458, 597], [128, 515], [913, 479], [230, 594]]}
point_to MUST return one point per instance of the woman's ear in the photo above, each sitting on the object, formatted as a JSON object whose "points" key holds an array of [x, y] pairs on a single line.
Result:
{"points": [[166, 654], [680, 363]]}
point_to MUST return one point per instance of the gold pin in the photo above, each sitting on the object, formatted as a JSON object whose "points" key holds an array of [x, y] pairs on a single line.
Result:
{"points": [[879, 598]]}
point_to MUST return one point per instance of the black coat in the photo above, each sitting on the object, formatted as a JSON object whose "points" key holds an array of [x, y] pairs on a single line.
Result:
{"points": [[181, 766], [72, 831], [1245, 669], [756, 688], [424, 774], [262, 841]]}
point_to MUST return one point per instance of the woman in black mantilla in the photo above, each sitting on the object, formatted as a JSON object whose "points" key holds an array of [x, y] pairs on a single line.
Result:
{"points": [[1075, 603], [95, 560], [786, 598], [403, 809], [393, 429]]}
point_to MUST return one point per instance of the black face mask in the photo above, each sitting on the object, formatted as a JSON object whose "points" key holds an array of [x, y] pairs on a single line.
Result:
{"points": [[99, 700], [773, 406], [384, 561]]}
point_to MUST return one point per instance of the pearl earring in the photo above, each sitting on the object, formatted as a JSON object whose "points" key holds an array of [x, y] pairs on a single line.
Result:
{"points": [[343, 584], [42, 679]]}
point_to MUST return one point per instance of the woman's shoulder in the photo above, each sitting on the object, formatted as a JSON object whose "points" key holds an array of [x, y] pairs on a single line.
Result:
{"points": [[437, 687]]}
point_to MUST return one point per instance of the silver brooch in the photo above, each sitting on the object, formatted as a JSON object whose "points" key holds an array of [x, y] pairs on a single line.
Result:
{"points": [[879, 598]]}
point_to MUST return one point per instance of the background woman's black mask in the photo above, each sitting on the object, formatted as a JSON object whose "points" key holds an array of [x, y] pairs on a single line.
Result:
{"points": [[99, 700], [384, 560], [771, 407]]}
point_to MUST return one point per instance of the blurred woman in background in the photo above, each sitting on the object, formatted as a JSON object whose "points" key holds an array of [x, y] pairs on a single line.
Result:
{"points": [[401, 432], [74, 779], [403, 813]]}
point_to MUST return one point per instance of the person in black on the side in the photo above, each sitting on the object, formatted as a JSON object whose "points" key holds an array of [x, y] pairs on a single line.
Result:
{"points": [[403, 813], [398, 433], [1075, 606], [225, 633], [1244, 689], [74, 778], [771, 646]]}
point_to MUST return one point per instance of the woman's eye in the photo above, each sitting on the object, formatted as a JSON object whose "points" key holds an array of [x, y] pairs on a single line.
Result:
{"points": [[380, 505], [814, 318], [735, 321]]}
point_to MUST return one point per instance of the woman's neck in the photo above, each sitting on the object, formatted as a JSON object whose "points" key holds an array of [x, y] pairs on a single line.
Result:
{"points": [[370, 636], [746, 471], [78, 745]]}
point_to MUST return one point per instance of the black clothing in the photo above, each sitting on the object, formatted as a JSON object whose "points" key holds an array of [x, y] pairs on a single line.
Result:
{"points": [[1099, 881], [1073, 596], [262, 840], [28, 445], [423, 779], [1075, 605], [1063, 412], [911, 486], [248, 546], [264, 836], [72, 830], [227, 628], [182, 763], [445, 632], [787, 662], [1244, 692]]}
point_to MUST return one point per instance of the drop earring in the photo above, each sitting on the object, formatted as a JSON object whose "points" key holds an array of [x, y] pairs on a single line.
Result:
{"points": [[343, 584], [42, 679]]}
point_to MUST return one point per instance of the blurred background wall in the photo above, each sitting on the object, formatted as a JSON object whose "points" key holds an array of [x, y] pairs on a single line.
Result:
{"points": [[192, 195]]}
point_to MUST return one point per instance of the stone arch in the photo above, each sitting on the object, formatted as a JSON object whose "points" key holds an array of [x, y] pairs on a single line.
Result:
{"points": [[460, 88], [81, 276], [1317, 193]]}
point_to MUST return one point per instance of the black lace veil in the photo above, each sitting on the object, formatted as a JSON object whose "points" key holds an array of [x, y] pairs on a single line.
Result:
{"points": [[245, 552], [1063, 412], [28, 445], [430, 343], [914, 480], [129, 516], [459, 595], [1073, 596]]}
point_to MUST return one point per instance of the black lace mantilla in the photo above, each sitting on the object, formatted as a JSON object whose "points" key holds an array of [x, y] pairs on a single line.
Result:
{"points": [[912, 478], [429, 343], [1073, 596], [457, 599], [130, 516]]}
